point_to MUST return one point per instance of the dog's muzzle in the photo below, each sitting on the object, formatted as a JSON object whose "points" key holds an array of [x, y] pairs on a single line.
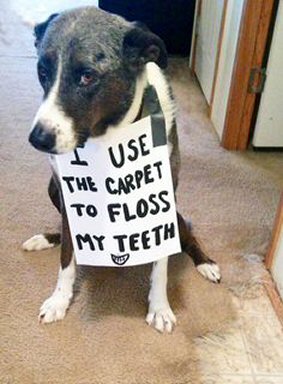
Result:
{"points": [[41, 139]]}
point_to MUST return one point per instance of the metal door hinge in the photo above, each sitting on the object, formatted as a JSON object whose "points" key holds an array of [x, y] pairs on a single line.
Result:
{"points": [[257, 80]]}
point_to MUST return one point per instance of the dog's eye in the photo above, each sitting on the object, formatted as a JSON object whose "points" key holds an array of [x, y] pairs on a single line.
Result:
{"points": [[86, 78]]}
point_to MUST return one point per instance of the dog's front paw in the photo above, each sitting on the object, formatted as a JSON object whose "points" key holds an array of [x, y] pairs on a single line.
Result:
{"points": [[162, 318], [37, 243], [54, 308], [210, 271]]}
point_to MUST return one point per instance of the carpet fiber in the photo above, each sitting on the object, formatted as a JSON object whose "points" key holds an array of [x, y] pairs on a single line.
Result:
{"points": [[231, 199]]}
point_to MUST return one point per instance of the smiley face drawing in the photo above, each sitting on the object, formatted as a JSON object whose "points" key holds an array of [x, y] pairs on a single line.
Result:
{"points": [[120, 259]]}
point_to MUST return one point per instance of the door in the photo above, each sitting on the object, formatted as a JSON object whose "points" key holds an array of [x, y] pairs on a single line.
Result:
{"points": [[269, 125], [208, 26]]}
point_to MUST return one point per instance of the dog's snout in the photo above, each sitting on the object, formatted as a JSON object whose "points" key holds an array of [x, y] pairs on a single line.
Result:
{"points": [[42, 139]]}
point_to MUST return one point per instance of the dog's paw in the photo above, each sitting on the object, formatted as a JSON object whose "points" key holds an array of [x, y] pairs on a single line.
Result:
{"points": [[54, 308], [210, 271], [161, 318], [37, 243]]}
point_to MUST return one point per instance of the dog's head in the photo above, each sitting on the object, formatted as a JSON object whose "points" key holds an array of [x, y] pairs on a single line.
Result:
{"points": [[89, 62]]}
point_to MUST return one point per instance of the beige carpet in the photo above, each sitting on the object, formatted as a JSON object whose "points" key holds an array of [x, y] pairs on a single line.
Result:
{"points": [[230, 197]]}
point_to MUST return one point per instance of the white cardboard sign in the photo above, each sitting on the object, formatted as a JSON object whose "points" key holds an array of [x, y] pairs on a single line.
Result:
{"points": [[119, 198]]}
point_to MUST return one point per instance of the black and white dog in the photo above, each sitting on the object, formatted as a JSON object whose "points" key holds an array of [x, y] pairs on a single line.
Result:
{"points": [[95, 68]]}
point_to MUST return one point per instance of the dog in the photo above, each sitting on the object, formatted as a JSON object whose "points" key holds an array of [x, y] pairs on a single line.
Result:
{"points": [[94, 68]]}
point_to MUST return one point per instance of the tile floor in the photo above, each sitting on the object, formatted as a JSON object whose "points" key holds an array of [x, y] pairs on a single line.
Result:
{"points": [[252, 353]]}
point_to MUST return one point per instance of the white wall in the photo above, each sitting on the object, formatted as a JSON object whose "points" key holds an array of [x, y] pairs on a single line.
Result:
{"points": [[226, 63], [269, 126], [34, 11], [209, 27]]}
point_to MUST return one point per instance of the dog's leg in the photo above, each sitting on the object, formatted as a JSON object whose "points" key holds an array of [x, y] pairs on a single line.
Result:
{"points": [[205, 266], [160, 315], [42, 241], [55, 307], [46, 240]]}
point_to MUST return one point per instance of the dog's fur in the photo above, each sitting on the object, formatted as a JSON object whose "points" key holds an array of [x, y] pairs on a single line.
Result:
{"points": [[94, 68]]}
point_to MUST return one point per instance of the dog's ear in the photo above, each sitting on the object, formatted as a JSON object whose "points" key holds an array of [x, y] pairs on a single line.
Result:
{"points": [[141, 46], [39, 29]]}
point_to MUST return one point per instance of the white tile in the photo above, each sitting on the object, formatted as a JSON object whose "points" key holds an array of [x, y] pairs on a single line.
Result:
{"points": [[225, 355], [259, 306], [227, 379], [269, 380], [264, 341]]}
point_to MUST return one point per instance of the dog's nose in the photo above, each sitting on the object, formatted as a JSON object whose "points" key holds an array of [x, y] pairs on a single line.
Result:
{"points": [[41, 139]]}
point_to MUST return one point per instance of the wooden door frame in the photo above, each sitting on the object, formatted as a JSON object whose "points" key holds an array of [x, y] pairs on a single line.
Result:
{"points": [[256, 24]]}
